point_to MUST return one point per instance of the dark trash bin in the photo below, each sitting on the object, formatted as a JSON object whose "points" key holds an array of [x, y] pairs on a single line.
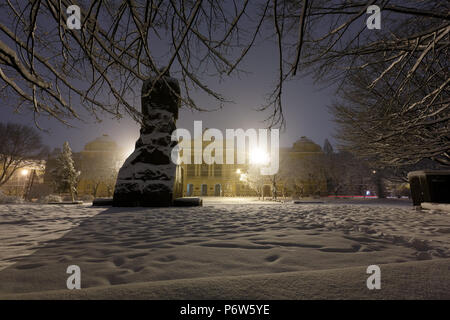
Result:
{"points": [[429, 186]]}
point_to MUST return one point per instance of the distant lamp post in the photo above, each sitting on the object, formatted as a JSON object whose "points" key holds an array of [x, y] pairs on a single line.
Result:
{"points": [[24, 173]]}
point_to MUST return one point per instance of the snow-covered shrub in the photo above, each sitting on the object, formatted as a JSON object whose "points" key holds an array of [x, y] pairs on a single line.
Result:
{"points": [[51, 198], [4, 199]]}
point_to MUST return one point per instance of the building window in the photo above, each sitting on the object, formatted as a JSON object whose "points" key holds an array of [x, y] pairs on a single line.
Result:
{"points": [[217, 190], [190, 189]]}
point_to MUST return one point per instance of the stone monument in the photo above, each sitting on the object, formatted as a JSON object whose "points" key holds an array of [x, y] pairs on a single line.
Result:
{"points": [[147, 177]]}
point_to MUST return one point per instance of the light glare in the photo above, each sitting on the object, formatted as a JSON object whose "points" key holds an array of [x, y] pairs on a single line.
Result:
{"points": [[259, 157]]}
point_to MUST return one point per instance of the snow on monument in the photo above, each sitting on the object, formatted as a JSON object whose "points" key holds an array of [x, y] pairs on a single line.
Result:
{"points": [[147, 177]]}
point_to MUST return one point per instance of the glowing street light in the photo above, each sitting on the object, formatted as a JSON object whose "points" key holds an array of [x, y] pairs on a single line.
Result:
{"points": [[24, 172], [259, 157]]}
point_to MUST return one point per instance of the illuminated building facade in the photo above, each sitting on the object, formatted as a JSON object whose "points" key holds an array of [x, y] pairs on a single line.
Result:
{"points": [[226, 179]]}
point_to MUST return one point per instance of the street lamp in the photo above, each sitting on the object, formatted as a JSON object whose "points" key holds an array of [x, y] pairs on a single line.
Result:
{"points": [[259, 157], [24, 173]]}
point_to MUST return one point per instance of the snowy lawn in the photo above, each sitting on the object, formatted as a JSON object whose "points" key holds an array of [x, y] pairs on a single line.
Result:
{"points": [[225, 237]]}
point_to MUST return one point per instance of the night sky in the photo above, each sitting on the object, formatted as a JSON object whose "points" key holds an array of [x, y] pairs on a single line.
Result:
{"points": [[305, 108]]}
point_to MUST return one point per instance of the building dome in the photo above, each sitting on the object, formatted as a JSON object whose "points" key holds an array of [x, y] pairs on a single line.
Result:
{"points": [[103, 143], [305, 144]]}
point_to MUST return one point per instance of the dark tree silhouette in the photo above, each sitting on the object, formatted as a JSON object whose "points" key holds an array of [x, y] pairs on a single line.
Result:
{"points": [[19, 145], [46, 65]]}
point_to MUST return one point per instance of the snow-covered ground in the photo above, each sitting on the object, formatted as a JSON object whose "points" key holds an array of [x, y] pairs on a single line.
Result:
{"points": [[225, 237], [25, 227]]}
